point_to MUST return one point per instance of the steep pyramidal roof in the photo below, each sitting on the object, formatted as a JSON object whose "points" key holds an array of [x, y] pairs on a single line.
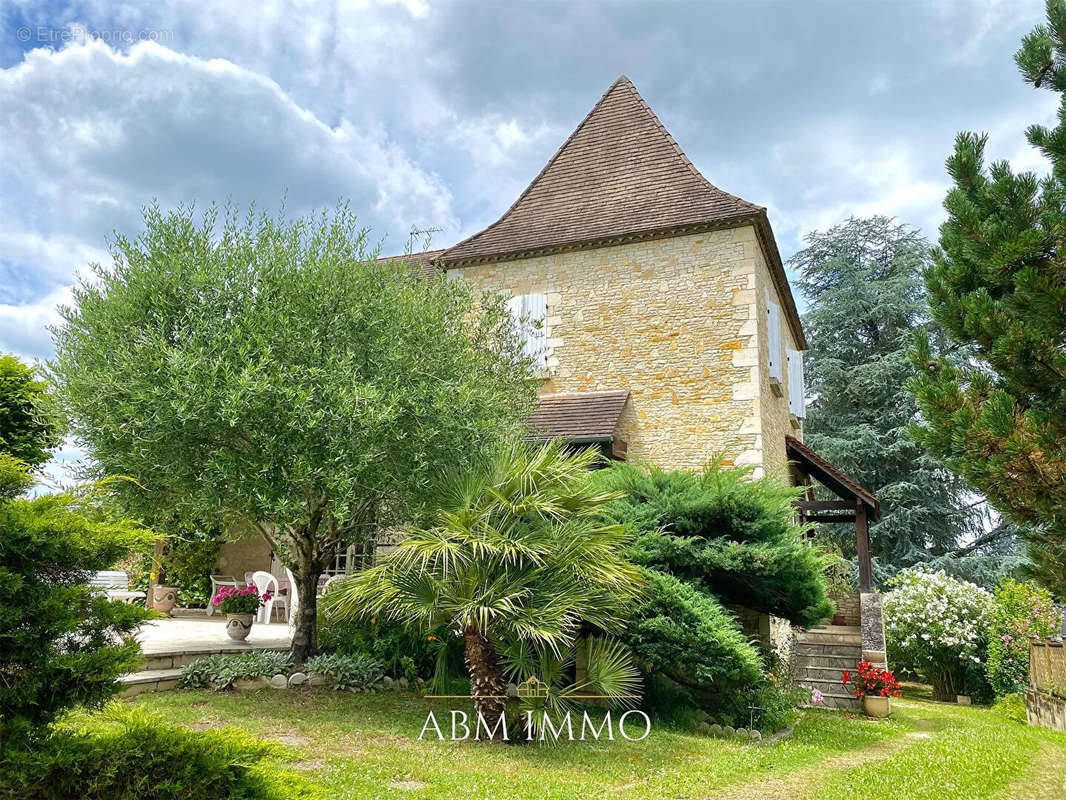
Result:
{"points": [[619, 177], [620, 173]]}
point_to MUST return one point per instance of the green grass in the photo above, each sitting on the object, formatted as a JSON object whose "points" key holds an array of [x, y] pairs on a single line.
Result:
{"points": [[366, 746]]}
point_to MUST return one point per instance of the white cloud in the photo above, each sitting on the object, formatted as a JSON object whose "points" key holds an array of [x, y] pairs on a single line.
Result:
{"points": [[100, 133], [23, 328]]}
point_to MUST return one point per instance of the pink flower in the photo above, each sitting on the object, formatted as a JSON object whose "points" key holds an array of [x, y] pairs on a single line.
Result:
{"points": [[817, 698]]}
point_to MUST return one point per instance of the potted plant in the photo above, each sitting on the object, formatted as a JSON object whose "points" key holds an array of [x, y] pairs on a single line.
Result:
{"points": [[875, 686], [240, 607]]}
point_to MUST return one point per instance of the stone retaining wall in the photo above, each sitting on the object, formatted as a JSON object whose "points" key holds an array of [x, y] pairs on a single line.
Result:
{"points": [[1045, 710]]}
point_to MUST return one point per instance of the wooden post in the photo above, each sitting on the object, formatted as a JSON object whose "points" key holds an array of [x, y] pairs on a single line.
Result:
{"points": [[862, 548]]}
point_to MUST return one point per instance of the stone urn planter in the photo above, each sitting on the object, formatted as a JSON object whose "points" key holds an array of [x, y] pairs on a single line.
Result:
{"points": [[164, 598], [876, 706], [238, 626]]}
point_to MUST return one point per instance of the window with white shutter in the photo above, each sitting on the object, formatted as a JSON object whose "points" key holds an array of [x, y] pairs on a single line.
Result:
{"points": [[796, 390], [529, 312], [773, 338]]}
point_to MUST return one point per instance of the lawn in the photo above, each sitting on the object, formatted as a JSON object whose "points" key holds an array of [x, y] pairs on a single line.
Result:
{"points": [[366, 746]]}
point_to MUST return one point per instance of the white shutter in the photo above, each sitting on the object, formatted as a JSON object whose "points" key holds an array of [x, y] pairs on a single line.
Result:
{"points": [[773, 337], [536, 310], [529, 312], [796, 390]]}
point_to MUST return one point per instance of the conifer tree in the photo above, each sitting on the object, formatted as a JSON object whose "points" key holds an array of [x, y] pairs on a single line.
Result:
{"points": [[863, 281], [997, 285]]}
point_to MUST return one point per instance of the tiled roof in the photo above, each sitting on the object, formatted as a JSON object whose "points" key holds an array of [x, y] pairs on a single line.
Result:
{"points": [[426, 261], [619, 173], [579, 416], [831, 477], [620, 176]]}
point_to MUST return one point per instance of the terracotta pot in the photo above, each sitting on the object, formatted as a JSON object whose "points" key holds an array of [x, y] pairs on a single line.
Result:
{"points": [[238, 626], [164, 598], [876, 706]]}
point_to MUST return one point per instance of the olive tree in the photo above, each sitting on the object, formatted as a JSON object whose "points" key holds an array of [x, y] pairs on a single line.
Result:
{"points": [[272, 373]]}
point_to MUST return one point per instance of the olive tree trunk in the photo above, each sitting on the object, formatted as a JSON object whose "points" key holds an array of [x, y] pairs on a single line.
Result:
{"points": [[488, 686], [307, 565]]}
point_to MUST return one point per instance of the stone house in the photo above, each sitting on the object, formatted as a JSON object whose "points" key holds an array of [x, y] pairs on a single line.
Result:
{"points": [[665, 326], [656, 308]]}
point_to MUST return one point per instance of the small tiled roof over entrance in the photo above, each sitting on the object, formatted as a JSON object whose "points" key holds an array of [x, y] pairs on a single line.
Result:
{"points": [[828, 475], [579, 416]]}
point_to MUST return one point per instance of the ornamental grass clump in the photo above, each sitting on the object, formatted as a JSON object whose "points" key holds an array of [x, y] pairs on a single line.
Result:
{"points": [[936, 626], [231, 600]]}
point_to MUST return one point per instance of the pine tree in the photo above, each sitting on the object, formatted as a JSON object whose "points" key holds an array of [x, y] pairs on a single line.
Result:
{"points": [[997, 285], [862, 280]]}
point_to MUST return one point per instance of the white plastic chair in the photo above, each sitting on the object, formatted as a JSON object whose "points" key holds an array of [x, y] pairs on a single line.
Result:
{"points": [[265, 582], [330, 580]]}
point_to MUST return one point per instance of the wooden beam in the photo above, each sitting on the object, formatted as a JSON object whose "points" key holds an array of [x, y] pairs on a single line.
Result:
{"points": [[825, 505], [828, 518], [862, 548]]}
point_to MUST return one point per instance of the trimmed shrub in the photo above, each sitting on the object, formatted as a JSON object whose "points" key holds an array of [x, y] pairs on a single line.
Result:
{"points": [[61, 645], [694, 654], [355, 673], [936, 626], [1020, 612], [403, 651], [725, 533], [219, 670], [126, 754]]}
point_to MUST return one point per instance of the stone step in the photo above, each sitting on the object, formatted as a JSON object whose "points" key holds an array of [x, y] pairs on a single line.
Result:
{"points": [[827, 686], [179, 658], [822, 673], [831, 634], [845, 703], [822, 660], [852, 651], [850, 629], [149, 680]]}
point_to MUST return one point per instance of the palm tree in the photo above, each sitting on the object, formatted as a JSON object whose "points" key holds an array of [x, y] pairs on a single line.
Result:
{"points": [[518, 552]]}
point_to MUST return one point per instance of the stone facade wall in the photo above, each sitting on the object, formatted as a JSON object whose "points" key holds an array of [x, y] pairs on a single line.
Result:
{"points": [[775, 420], [247, 554], [848, 607], [676, 322]]}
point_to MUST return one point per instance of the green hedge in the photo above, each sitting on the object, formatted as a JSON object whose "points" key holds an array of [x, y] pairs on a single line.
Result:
{"points": [[723, 532], [403, 651], [129, 755], [694, 655]]}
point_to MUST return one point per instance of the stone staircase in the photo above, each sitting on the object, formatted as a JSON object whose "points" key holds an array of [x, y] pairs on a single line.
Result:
{"points": [[820, 657]]}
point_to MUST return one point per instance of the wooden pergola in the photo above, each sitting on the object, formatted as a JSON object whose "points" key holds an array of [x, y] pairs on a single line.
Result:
{"points": [[856, 504]]}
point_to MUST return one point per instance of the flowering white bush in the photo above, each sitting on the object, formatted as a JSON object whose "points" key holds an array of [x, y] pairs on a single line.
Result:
{"points": [[936, 625]]}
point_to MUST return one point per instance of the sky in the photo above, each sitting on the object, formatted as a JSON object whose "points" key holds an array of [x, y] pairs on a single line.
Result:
{"points": [[436, 115]]}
